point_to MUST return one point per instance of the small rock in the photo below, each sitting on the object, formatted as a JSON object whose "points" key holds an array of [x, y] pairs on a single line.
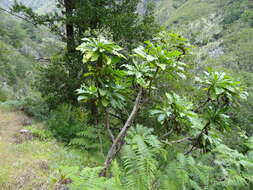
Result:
{"points": [[24, 131]]}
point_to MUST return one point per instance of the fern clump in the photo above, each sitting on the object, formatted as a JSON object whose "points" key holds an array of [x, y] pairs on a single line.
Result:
{"points": [[146, 165], [87, 178], [66, 121], [39, 132], [90, 138], [139, 157]]}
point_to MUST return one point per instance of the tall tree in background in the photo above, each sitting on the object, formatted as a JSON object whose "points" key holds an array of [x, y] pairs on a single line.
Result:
{"points": [[59, 80], [69, 25], [76, 16]]}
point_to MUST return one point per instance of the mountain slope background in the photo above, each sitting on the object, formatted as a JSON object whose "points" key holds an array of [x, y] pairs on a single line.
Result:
{"points": [[38, 5], [22, 45], [222, 33], [222, 30]]}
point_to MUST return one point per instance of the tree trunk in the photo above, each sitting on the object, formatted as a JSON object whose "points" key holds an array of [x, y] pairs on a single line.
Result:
{"points": [[94, 113], [69, 26], [117, 144]]}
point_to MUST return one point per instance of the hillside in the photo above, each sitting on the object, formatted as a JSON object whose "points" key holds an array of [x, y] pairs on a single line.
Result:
{"points": [[221, 30], [31, 161], [222, 33], [21, 47], [98, 96], [38, 5]]}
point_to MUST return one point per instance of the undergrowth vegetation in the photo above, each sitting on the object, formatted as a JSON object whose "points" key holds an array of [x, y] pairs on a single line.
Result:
{"points": [[66, 121], [35, 163], [128, 108], [185, 148]]}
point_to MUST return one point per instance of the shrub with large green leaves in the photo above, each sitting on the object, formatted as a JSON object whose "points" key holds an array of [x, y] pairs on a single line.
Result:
{"points": [[103, 84], [175, 108], [115, 80], [112, 79], [221, 85]]}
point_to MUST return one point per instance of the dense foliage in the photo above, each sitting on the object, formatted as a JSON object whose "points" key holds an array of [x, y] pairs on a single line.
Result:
{"points": [[201, 124], [121, 18], [134, 105], [21, 45], [221, 32]]}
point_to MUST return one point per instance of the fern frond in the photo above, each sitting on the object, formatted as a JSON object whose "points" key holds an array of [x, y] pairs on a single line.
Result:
{"points": [[139, 158], [89, 138]]}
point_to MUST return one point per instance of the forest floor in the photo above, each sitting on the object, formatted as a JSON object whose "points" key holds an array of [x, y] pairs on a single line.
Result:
{"points": [[14, 162], [26, 162], [11, 122]]}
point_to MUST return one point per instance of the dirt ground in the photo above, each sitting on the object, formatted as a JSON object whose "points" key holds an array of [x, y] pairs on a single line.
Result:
{"points": [[28, 163], [20, 164], [11, 122]]}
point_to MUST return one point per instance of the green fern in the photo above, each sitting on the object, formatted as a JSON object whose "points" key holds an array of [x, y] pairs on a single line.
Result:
{"points": [[90, 139], [88, 179], [224, 168], [238, 167], [39, 132], [186, 173], [141, 169], [139, 158]]}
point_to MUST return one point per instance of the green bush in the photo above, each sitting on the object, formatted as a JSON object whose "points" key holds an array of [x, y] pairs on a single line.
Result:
{"points": [[35, 107], [3, 96], [232, 17], [39, 132], [66, 121], [233, 11], [91, 138], [58, 81]]}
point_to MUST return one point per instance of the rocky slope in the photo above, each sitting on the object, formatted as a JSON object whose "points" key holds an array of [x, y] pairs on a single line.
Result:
{"points": [[222, 30], [35, 4], [21, 45]]}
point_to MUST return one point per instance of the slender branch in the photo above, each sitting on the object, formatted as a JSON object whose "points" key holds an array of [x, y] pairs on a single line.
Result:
{"points": [[116, 146], [107, 123], [197, 139], [179, 141], [116, 116], [167, 134], [50, 26], [202, 105], [151, 81], [43, 59], [190, 150], [18, 16]]}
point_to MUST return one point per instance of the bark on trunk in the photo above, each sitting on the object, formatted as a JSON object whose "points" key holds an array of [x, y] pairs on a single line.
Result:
{"points": [[94, 113], [117, 144], [69, 26]]}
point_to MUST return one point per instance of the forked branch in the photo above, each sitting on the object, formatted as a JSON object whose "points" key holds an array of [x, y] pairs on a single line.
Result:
{"points": [[116, 146]]}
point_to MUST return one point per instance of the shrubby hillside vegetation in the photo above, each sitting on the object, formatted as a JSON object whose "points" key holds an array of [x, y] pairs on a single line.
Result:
{"points": [[137, 95], [221, 32]]}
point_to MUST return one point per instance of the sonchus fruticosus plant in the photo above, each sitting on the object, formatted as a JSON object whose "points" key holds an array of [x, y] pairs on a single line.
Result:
{"points": [[203, 122], [222, 93], [114, 79]]}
